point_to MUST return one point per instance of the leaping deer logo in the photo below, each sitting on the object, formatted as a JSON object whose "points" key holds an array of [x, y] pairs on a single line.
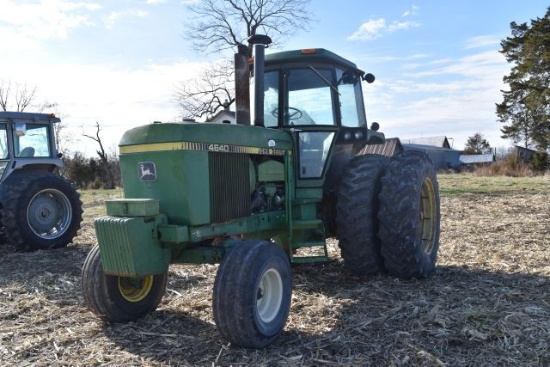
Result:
{"points": [[147, 171]]}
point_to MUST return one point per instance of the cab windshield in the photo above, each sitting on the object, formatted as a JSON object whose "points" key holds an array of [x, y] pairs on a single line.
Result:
{"points": [[315, 95]]}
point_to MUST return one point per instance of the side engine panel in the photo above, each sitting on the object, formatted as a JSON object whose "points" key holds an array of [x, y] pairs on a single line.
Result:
{"points": [[269, 190]]}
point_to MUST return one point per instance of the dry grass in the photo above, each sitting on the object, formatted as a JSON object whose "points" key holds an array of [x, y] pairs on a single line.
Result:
{"points": [[487, 305]]}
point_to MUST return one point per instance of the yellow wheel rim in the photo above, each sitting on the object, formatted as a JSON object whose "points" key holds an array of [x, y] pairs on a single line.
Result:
{"points": [[428, 216], [135, 289]]}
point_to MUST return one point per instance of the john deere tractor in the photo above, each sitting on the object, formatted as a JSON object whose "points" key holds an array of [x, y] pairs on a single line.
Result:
{"points": [[257, 199], [39, 209]]}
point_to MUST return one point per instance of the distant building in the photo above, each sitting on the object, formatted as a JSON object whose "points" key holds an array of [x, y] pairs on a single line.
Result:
{"points": [[434, 141], [224, 116], [477, 159], [524, 154], [437, 148]]}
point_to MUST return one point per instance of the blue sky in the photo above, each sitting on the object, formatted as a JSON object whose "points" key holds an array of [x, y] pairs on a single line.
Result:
{"points": [[437, 63]]}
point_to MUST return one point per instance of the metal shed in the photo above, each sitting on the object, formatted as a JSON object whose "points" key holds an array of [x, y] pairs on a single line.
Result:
{"points": [[442, 158]]}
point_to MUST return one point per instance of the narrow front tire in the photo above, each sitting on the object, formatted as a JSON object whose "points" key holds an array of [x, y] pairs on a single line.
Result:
{"points": [[252, 294], [119, 299]]}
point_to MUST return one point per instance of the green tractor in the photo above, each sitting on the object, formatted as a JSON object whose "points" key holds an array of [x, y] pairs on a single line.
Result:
{"points": [[39, 209], [257, 199]]}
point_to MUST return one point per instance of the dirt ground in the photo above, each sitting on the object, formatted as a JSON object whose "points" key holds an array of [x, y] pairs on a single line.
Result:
{"points": [[487, 305]]}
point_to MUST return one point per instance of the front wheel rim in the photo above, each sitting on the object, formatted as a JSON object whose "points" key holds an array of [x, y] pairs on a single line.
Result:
{"points": [[49, 214], [135, 289], [269, 296]]}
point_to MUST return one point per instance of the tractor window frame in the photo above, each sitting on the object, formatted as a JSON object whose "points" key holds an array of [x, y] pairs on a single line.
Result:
{"points": [[4, 146], [312, 90], [350, 98]]}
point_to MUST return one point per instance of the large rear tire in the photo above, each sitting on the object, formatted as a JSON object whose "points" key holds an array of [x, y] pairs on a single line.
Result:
{"points": [[119, 299], [409, 216], [252, 294], [357, 211], [40, 211]]}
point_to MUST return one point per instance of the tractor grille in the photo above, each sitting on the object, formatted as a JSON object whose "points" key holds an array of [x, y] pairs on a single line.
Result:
{"points": [[229, 186]]}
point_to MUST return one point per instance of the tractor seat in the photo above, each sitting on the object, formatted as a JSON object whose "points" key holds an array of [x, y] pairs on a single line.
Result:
{"points": [[27, 152]]}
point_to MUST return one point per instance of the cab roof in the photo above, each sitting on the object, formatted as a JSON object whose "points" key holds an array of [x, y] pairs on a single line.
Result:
{"points": [[34, 116], [310, 54]]}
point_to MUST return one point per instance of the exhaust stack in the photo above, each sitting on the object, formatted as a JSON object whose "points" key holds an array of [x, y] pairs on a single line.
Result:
{"points": [[259, 42]]}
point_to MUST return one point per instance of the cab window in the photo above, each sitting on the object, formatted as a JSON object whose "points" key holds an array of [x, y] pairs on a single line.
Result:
{"points": [[34, 142]]}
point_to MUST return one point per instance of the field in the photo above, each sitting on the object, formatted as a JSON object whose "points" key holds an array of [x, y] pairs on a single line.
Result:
{"points": [[487, 305]]}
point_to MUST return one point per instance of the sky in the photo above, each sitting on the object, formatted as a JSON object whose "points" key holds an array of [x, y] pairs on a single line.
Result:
{"points": [[120, 63]]}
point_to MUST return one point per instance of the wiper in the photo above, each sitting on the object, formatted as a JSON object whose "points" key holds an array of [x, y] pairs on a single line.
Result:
{"points": [[324, 79]]}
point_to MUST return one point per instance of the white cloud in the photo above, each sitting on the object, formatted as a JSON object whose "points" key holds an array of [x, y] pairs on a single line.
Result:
{"points": [[481, 41], [114, 16], [46, 19], [397, 26], [376, 28], [411, 11], [369, 30]]}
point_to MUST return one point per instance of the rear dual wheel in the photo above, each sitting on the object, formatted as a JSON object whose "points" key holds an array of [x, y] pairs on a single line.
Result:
{"points": [[357, 208], [119, 299], [388, 215], [409, 216]]}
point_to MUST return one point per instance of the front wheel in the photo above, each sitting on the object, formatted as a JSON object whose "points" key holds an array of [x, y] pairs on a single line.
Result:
{"points": [[252, 294], [409, 216], [119, 299]]}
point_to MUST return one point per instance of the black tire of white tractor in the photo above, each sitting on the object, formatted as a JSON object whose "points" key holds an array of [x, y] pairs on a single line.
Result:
{"points": [[252, 294], [357, 210], [409, 216], [119, 299], [40, 211]]}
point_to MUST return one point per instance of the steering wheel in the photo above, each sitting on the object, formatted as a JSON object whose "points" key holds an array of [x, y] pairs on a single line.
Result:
{"points": [[293, 113]]}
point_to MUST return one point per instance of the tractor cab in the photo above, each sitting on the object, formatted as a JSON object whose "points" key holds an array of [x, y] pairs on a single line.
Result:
{"points": [[27, 141], [317, 95]]}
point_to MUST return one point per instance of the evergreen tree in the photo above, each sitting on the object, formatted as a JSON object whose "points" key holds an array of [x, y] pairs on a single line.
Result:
{"points": [[525, 108], [477, 144]]}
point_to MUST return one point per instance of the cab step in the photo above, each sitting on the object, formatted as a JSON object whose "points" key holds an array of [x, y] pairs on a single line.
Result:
{"points": [[318, 247]]}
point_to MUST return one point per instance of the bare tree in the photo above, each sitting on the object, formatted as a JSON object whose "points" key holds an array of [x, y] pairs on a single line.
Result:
{"points": [[224, 24], [109, 182], [21, 98], [221, 25], [209, 92]]}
